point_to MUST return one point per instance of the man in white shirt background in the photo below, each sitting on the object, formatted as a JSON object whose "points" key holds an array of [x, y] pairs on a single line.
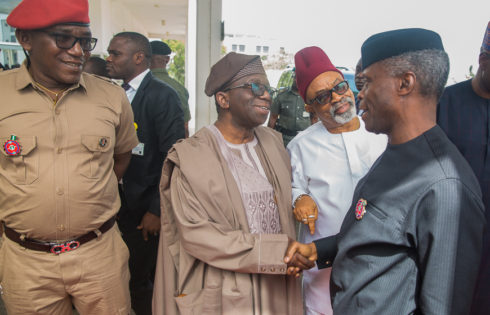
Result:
{"points": [[327, 159]]}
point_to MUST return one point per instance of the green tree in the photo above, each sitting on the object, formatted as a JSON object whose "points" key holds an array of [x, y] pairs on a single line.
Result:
{"points": [[470, 74], [176, 69], [286, 79]]}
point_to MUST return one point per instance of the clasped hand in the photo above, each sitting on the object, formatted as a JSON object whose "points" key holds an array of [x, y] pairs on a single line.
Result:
{"points": [[300, 257], [149, 225], [306, 212]]}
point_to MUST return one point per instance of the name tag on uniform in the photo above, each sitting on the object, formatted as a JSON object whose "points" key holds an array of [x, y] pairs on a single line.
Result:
{"points": [[139, 149], [306, 114]]}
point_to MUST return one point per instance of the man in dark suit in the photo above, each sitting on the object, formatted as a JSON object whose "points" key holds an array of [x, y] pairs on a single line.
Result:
{"points": [[159, 122]]}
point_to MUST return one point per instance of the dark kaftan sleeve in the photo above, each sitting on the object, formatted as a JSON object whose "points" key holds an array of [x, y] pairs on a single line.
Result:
{"points": [[447, 222], [326, 249]]}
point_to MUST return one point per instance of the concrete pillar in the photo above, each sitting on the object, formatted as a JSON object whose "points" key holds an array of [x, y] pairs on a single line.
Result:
{"points": [[206, 53], [100, 24], [190, 61]]}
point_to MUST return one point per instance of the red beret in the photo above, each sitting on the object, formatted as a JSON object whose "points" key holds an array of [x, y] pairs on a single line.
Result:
{"points": [[311, 62], [36, 14]]}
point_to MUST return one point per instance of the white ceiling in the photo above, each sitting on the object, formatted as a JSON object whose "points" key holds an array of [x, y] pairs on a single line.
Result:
{"points": [[161, 18]]}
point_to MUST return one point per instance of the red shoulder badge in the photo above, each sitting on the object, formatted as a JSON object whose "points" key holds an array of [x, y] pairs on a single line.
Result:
{"points": [[12, 147]]}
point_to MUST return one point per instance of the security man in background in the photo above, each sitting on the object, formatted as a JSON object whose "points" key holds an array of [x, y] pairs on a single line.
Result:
{"points": [[66, 140], [463, 113], [160, 57], [160, 123], [288, 114]]}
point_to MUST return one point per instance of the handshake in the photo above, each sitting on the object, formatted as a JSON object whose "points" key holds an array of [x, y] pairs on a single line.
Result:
{"points": [[300, 257]]}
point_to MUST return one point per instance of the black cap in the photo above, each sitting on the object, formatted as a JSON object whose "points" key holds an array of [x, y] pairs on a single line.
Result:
{"points": [[160, 48], [394, 43]]}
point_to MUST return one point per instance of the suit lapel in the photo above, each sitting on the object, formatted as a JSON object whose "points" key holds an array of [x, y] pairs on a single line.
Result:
{"points": [[135, 104]]}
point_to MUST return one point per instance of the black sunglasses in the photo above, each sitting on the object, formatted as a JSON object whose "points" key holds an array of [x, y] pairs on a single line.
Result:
{"points": [[257, 89], [65, 41], [326, 96]]}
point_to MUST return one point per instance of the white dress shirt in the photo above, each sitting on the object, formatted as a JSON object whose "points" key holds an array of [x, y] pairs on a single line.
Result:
{"points": [[327, 167], [135, 84]]}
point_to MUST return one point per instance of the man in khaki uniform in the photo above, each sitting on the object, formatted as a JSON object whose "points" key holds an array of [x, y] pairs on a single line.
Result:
{"points": [[66, 139]]}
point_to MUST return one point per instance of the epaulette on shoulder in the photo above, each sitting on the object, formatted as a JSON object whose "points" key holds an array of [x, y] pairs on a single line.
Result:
{"points": [[102, 78], [282, 91], [7, 72]]}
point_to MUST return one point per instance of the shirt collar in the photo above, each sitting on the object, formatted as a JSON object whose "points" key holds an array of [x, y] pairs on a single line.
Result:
{"points": [[136, 82], [24, 79]]}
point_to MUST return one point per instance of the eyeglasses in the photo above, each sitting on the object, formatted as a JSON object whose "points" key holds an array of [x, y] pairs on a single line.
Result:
{"points": [[257, 89], [65, 41], [326, 96]]}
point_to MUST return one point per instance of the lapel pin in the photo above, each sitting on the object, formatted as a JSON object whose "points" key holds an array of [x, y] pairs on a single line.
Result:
{"points": [[361, 208]]}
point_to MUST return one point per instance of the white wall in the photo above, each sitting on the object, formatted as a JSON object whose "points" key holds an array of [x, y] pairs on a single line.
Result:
{"points": [[109, 17], [203, 45]]}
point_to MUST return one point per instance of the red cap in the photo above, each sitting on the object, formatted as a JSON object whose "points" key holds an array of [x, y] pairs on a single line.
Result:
{"points": [[36, 14], [311, 62]]}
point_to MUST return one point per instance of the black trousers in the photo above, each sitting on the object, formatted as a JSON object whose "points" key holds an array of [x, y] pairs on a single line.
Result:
{"points": [[142, 260]]}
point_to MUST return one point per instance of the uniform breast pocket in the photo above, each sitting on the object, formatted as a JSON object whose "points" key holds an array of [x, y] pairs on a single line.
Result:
{"points": [[20, 168], [95, 155]]}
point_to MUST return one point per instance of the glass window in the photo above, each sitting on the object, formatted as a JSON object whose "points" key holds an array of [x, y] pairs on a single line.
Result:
{"points": [[265, 49], [242, 48], [257, 49], [233, 47]]}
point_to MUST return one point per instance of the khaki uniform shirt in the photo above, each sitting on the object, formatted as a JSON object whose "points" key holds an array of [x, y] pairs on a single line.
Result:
{"points": [[62, 184], [182, 92]]}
